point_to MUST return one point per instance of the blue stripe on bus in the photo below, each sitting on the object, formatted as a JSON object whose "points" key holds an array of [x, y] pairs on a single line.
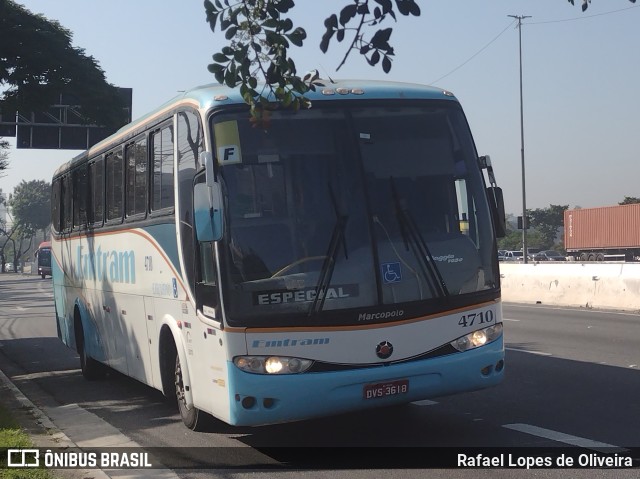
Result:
{"points": [[303, 396]]}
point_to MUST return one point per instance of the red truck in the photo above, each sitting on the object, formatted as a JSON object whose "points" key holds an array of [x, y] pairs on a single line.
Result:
{"points": [[603, 233]]}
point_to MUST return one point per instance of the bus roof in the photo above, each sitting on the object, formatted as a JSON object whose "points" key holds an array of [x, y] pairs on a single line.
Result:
{"points": [[216, 95]]}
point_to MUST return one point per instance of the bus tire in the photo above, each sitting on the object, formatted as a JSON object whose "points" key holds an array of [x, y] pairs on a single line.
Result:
{"points": [[58, 330], [193, 418], [91, 369]]}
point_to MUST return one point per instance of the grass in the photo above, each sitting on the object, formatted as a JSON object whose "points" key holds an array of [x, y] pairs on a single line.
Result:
{"points": [[12, 436]]}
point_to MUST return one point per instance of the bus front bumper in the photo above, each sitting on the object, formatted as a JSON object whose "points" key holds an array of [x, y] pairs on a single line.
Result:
{"points": [[267, 399]]}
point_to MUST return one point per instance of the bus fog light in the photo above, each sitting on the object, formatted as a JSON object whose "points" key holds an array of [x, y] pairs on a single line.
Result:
{"points": [[248, 402], [478, 338]]}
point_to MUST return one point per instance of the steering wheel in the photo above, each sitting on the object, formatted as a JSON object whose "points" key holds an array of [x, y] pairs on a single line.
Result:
{"points": [[300, 261]]}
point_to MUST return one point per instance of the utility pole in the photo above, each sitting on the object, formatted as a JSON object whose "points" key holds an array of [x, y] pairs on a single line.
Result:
{"points": [[524, 191]]}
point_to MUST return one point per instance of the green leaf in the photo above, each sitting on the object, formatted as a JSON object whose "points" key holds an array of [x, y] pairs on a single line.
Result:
{"points": [[231, 32], [348, 13], [375, 58], [287, 99], [386, 64], [220, 58], [324, 43], [296, 38], [270, 23], [230, 79], [286, 25], [381, 38], [240, 54], [331, 22], [215, 67], [363, 9], [386, 5]]}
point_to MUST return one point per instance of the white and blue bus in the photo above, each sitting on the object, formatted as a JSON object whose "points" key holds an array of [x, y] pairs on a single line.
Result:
{"points": [[335, 259]]}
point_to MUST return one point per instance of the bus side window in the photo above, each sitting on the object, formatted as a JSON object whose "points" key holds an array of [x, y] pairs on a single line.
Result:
{"points": [[56, 201], [162, 165], [207, 260]]}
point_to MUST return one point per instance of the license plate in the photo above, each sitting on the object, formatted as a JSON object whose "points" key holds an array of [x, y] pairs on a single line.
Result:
{"points": [[380, 390]]}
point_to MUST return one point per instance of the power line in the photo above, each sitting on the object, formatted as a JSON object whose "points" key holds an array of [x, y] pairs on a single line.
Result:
{"points": [[475, 54], [584, 17]]}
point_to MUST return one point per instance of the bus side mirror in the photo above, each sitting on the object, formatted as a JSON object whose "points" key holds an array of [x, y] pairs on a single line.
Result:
{"points": [[496, 204], [207, 208]]}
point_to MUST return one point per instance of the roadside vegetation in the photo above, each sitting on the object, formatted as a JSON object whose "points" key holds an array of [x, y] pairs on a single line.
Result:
{"points": [[12, 436]]}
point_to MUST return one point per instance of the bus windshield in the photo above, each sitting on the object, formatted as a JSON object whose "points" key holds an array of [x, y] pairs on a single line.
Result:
{"points": [[44, 257], [343, 215]]}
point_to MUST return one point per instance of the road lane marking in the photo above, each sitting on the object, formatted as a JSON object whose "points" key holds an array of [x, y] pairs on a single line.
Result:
{"points": [[514, 320], [569, 308], [46, 374], [539, 353], [565, 438]]}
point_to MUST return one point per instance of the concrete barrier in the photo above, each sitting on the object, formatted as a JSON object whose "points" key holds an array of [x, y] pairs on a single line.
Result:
{"points": [[590, 285]]}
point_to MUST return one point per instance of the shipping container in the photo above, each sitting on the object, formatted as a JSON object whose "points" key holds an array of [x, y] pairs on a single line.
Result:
{"points": [[604, 233]]}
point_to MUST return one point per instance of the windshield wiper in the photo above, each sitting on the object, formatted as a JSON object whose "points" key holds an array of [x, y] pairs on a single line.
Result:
{"points": [[413, 239], [329, 263]]}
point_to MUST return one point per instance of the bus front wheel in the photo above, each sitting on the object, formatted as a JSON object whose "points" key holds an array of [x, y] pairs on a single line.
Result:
{"points": [[193, 418]]}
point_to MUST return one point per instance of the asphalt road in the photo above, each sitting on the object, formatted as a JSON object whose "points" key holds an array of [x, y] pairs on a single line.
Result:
{"points": [[572, 381]]}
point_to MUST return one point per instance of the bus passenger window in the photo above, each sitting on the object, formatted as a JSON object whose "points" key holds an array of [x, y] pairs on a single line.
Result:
{"points": [[115, 184], [162, 141], [136, 164], [96, 190]]}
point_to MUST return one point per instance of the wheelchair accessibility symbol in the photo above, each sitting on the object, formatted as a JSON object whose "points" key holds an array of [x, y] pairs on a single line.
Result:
{"points": [[391, 273]]}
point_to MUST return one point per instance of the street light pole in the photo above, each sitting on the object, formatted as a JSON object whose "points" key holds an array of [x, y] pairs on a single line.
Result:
{"points": [[524, 191]]}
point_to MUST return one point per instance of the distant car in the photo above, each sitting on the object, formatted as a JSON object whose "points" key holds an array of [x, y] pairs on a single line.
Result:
{"points": [[8, 267], [513, 256], [502, 254], [549, 255]]}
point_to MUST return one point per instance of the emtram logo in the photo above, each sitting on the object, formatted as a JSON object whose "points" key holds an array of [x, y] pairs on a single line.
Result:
{"points": [[23, 458]]}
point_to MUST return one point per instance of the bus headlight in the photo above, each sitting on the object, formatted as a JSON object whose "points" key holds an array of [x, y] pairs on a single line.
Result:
{"points": [[478, 338], [272, 364]]}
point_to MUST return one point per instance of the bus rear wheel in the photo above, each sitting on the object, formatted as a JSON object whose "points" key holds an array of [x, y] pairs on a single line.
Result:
{"points": [[91, 369], [193, 418]]}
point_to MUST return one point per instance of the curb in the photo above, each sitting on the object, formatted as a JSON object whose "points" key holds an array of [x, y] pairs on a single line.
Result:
{"points": [[47, 430], [52, 436]]}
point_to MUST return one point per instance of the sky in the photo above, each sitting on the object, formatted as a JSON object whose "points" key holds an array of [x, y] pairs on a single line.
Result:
{"points": [[581, 80]]}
